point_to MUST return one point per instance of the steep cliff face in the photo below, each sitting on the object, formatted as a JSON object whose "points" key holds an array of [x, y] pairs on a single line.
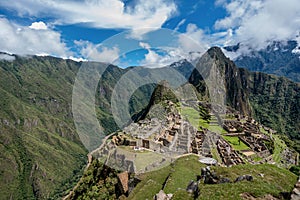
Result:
{"points": [[274, 101], [279, 58], [215, 64], [40, 151]]}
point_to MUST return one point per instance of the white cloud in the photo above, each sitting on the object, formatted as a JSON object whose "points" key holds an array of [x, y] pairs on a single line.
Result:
{"points": [[198, 40], [144, 45], [98, 13], [166, 56], [179, 24], [99, 53], [76, 59], [152, 59], [7, 57], [38, 26], [24, 40], [193, 40], [220, 2], [257, 22]]}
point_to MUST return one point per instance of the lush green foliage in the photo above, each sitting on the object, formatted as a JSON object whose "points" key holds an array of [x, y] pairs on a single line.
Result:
{"points": [[236, 143], [40, 150], [98, 182], [178, 175]]}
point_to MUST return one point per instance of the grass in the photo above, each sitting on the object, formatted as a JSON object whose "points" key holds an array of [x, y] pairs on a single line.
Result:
{"points": [[261, 129], [216, 155], [40, 146], [216, 128], [179, 174], [279, 146], [151, 184], [144, 158], [184, 169], [194, 117], [275, 180], [235, 143], [257, 159]]}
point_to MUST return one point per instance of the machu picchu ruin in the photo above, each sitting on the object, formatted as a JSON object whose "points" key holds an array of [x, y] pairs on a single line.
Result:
{"points": [[239, 139]]}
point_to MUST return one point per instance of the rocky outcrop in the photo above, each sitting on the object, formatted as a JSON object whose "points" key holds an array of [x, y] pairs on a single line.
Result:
{"points": [[162, 196], [236, 96], [296, 191], [273, 101], [123, 181], [279, 58]]}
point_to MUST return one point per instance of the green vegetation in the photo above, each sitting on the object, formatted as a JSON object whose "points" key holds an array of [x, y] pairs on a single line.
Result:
{"points": [[142, 159], [294, 144], [151, 184], [295, 169], [236, 143], [216, 155], [183, 170], [279, 146], [276, 108], [98, 182], [275, 180], [41, 154], [192, 116], [178, 175], [257, 159], [200, 120], [163, 92]]}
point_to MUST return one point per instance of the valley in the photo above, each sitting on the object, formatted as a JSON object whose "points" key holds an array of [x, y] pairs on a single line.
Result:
{"points": [[161, 145], [149, 100], [39, 140]]}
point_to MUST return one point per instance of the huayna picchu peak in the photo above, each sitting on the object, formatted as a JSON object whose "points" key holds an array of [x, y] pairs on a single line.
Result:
{"points": [[174, 134]]}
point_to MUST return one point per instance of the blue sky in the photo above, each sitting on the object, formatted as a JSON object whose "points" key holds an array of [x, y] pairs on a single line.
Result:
{"points": [[84, 29]]}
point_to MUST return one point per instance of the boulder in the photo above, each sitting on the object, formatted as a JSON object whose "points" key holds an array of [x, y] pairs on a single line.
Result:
{"points": [[244, 177], [162, 196]]}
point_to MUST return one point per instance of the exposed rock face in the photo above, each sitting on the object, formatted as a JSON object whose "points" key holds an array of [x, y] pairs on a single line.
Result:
{"points": [[296, 191], [244, 177], [273, 101], [193, 188], [248, 196], [278, 58], [210, 177], [162, 196], [236, 96], [123, 181]]}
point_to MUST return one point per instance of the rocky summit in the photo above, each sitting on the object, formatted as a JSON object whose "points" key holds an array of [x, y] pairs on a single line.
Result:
{"points": [[251, 134]]}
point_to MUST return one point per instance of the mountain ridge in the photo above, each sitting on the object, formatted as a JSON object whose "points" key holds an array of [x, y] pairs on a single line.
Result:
{"points": [[279, 58], [37, 130]]}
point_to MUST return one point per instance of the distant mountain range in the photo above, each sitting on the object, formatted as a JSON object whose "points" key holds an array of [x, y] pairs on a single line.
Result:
{"points": [[279, 58], [41, 154]]}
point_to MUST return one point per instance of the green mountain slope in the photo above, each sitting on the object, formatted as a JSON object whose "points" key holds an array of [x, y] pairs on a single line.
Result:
{"points": [[278, 58], [40, 150], [273, 101], [41, 153]]}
